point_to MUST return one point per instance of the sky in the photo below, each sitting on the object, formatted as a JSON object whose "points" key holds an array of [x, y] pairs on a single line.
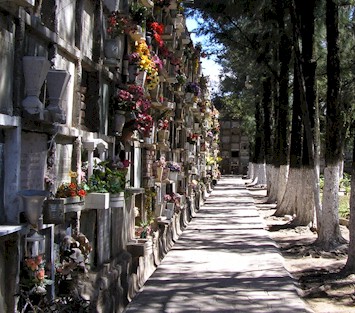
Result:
{"points": [[209, 67]]}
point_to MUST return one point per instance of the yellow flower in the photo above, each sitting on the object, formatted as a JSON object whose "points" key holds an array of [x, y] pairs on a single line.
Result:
{"points": [[73, 174]]}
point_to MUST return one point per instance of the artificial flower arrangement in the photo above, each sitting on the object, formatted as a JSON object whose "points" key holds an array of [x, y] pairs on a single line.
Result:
{"points": [[74, 254], [157, 29], [193, 184], [139, 13], [133, 99], [124, 100], [119, 24], [181, 78], [163, 124], [158, 62], [146, 63], [210, 134], [172, 198], [173, 166], [144, 123], [193, 88], [192, 138], [33, 278], [71, 189], [159, 163]]}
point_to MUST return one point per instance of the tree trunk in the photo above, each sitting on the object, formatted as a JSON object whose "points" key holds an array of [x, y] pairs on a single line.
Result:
{"points": [[269, 171], [329, 235], [282, 145], [251, 170], [305, 207], [273, 183], [302, 16], [287, 205], [260, 173]]}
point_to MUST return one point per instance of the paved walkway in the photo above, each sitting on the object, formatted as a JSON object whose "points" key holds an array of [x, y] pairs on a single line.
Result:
{"points": [[223, 262]]}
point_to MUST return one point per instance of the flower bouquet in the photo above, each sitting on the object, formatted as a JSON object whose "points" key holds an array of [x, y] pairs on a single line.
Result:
{"points": [[119, 24], [74, 254], [193, 88], [33, 278], [158, 168]]}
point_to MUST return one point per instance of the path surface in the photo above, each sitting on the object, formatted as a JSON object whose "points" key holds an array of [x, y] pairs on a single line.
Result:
{"points": [[223, 262]]}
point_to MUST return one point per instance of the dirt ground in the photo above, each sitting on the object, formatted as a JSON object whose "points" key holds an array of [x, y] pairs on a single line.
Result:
{"points": [[323, 288]]}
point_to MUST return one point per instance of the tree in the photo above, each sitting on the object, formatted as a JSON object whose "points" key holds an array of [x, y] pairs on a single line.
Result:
{"points": [[299, 196], [329, 235]]}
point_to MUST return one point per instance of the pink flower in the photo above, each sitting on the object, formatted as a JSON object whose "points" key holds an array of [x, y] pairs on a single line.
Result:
{"points": [[126, 163], [124, 96]]}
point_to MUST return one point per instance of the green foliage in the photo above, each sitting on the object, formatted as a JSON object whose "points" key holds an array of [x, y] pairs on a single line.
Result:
{"points": [[321, 183], [344, 200], [344, 207], [107, 177], [345, 183]]}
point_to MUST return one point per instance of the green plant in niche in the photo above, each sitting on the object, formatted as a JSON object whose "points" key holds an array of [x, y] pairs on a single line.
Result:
{"points": [[139, 13], [108, 177]]}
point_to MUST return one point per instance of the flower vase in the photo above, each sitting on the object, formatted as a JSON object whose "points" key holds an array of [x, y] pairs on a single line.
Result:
{"points": [[132, 72], [57, 81], [159, 175], [138, 34], [35, 70], [147, 3], [166, 172], [141, 78], [163, 135], [32, 204], [169, 210], [154, 93], [148, 38], [173, 175], [189, 96], [113, 50], [159, 209], [117, 200], [119, 122], [97, 200]]}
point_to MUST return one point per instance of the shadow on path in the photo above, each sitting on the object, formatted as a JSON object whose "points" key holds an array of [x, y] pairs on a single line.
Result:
{"points": [[223, 262]]}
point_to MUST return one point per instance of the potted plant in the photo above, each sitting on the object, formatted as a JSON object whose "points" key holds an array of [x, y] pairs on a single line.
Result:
{"points": [[116, 182], [109, 180], [97, 196]]}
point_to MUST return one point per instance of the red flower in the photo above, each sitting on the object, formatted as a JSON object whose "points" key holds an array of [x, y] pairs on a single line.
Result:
{"points": [[82, 193], [157, 27]]}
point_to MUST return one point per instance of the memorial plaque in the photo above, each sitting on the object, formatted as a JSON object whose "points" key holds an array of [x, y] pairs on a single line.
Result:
{"points": [[33, 161], [63, 162]]}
